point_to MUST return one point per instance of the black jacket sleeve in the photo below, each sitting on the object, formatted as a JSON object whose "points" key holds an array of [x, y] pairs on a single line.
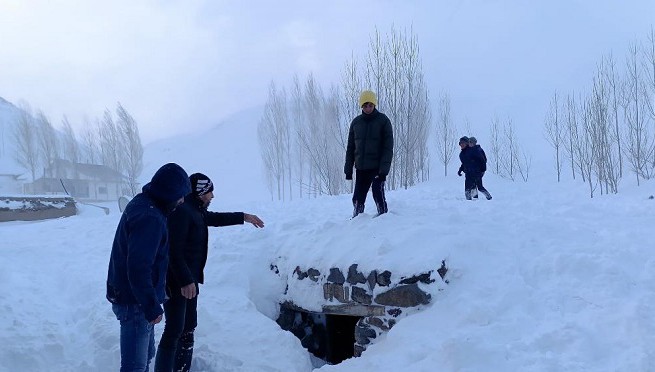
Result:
{"points": [[142, 248], [218, 219], [179, 227], [387, 147], [350, 151], [483, 166]]}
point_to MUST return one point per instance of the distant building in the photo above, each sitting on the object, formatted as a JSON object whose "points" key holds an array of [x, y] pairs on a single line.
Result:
{"points": [[11, 184], [82, 181]]}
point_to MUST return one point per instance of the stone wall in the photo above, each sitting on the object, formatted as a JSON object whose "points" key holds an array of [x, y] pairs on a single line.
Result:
{"points": [[375, 297], [33, 208]]}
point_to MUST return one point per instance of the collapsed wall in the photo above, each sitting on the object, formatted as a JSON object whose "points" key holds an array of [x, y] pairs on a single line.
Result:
{"points": [[33, 208]]}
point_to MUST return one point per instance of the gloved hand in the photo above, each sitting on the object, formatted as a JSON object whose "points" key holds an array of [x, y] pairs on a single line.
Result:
{"points": [[381, 177], [349, 176], [459, 173]]}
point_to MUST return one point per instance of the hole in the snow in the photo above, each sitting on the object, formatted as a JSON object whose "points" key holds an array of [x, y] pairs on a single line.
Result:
{"points": [[328, 337]]}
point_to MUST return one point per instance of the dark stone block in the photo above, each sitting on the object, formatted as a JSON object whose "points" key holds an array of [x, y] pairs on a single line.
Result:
{"points": [[403, 296], [443, 269], [358, 350], [384, 279], [335, 291], [423, 278], [336, 276], [371, 279], [394, 312], [313, 274], [359, 295], [299, 273], [374, 321], [364, 333], [355, 276]]}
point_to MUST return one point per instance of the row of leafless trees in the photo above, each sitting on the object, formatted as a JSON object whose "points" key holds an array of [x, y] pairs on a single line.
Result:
{"points": [[304, 130], [609, 131], [113, 141], [507, 158]]}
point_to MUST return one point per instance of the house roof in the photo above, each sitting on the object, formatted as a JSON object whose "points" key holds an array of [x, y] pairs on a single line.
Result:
{"points": [[97, 171]]}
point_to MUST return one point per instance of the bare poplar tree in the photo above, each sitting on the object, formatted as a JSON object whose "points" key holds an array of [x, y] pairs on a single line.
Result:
{"points": [[512, 158], [572, 135], [90, 145], [351, 87], [70, 146], [24, 135], [417, 111], [639, 142], [318, 137], [273, 133], [110, 142], [297, 119], [48, 143], [649, 71], [467, 126], [585, 149], [614, 86], [554, 131], [601, 129], [445, 133], [394, 72], [132, 162], [496, 145]]}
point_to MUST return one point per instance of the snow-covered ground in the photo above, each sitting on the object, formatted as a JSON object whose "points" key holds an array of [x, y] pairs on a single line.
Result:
{"points": [[542, 278]]}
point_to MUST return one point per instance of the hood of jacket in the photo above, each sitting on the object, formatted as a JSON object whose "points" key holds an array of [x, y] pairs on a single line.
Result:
{"points": [[169, 184]]}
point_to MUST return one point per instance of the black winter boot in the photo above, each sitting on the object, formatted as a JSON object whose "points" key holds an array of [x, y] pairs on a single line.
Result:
{"points": [[357, 209]]}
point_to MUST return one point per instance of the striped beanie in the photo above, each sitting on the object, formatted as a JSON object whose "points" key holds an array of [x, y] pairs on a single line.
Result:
{"points": [[201, 184]]}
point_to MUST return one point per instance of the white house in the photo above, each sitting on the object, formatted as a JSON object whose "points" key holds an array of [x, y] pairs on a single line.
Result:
{"points": [[82, 181]]}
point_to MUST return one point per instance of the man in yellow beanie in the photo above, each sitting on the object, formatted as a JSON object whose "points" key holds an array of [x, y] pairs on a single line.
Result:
{"points": [[370, 151]]}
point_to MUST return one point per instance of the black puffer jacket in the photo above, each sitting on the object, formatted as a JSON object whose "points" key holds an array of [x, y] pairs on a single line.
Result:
{"points": [[474, 162], [188, 236], [370, 143]]}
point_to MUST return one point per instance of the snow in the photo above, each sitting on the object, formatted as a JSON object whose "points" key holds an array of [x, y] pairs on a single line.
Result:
{"points": [[541, 278]]}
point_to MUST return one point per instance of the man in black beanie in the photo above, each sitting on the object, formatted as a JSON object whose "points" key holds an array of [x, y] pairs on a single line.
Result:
{"points": [[188, 236]]}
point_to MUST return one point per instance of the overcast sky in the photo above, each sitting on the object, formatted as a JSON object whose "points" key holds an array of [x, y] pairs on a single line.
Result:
{"points": [[181, 66]]}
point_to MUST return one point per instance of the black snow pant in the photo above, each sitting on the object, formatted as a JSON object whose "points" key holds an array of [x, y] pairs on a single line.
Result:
{"points": [[473, 181], [365, 179], [175, 349]]}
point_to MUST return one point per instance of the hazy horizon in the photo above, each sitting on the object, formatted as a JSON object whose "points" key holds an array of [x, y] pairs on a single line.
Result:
{"points": [[185, 67]]}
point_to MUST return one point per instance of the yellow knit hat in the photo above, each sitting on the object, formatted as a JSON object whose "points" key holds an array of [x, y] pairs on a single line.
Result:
{"points": [[367, 96]]}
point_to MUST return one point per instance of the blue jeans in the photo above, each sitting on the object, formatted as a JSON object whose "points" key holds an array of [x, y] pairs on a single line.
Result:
{"points": [[137, 338]]}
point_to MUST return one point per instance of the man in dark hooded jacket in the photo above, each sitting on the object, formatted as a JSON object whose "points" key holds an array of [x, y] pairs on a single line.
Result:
{"points": [[136, 277], [482, 162], [188, 234], [474, 163], [370, 151]]}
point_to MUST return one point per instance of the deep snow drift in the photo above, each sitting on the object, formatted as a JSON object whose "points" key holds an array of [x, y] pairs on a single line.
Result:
{"points": [[542, 278]]}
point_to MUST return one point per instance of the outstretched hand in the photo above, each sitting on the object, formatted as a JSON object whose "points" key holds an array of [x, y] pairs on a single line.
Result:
{"points": [[254, 220]]}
